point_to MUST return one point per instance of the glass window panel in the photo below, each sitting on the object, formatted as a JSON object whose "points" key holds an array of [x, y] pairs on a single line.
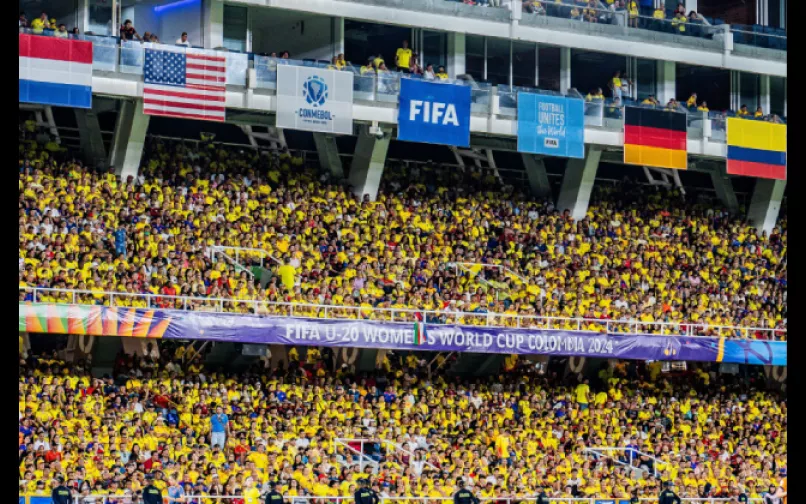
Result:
{"points": [[748, 90], [435, 48], [548, 62], [474, 57], [647, 74], [498, 61], [523, 64], [235, 27]]}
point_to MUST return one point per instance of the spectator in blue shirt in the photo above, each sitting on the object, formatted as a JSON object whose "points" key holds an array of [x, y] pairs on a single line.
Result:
{"points": [[219, 428]]}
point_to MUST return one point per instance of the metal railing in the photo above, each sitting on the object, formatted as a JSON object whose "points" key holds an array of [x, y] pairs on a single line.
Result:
{"points": [[630, 455], [225, 499], [342, 312]]}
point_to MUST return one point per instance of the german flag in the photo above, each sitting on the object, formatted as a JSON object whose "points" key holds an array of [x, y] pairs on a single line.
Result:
{"points": [[655, 138]]}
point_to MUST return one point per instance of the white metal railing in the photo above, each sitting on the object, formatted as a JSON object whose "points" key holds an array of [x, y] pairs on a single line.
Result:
{"points": [[434, 317], [226, 499], [345, 442], [630, 452]]}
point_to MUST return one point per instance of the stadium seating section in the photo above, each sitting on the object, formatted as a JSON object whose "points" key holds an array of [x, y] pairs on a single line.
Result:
{"points": [[642, 254], [505, 436]]}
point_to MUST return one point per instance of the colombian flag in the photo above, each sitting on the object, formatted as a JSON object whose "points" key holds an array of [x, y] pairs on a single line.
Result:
{"points": [[655, 138], [756, 148]]}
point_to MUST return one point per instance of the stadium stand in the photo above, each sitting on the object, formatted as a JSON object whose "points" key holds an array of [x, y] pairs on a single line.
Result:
{"points": [[642, 255], [506, 436]]}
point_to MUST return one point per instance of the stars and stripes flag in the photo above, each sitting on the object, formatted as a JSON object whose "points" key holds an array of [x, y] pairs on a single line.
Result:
{"points": [[185, 83]]}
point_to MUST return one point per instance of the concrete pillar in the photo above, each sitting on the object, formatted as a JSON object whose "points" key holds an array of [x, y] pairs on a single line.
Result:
{"points": [[89, 131], [213, 19], [666, 81], [129, 139], [368, 162], [765, 204], [575, 191], [764, 93], [338, 36], [456, 54], [565, 69], [536, 173], [329, 154], [724, 189]]}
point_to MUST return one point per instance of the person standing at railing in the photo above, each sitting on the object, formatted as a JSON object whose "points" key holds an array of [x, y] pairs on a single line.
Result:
{"points": [[463, 495], [364, 494], [659, 18], [273, 496], [127, 31], [541, 497], [403, 57], [41, 23], [61, 494], [151, 494], [667, 495]]}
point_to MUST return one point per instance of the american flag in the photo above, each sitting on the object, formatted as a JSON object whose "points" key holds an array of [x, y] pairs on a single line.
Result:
{"points": [[185, 83]]}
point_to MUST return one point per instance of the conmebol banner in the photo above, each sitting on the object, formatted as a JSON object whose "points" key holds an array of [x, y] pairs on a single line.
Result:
{"points": [[314, 99], [171, 324]]}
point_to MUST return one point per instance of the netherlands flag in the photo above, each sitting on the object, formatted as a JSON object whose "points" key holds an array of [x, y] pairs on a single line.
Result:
{"points": [[55, 71]]}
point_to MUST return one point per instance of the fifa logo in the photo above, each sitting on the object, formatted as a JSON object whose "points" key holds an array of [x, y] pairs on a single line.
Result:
{"points": [[315, 91]]}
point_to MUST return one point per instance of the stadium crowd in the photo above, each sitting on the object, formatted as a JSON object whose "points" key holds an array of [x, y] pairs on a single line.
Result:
{"points": [[205, 432], [640, 256]]}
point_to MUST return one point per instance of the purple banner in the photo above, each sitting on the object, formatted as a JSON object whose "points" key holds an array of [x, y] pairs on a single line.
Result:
{"points": [[172, 324], [452, 338]]}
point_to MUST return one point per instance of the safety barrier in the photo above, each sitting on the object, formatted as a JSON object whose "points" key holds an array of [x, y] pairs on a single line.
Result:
{"points": [[227, 499], [336, 312]]}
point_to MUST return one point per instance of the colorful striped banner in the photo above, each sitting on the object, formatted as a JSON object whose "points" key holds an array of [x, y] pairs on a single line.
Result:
{"points": [[756, 148]]}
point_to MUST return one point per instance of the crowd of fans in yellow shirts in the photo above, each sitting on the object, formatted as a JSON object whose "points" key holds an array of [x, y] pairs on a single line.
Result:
{"points": [[641, 256], [506, 436]]}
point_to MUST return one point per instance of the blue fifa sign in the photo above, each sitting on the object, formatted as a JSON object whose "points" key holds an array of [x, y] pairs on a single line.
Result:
{"points": [[551, 125], [432, 112]]}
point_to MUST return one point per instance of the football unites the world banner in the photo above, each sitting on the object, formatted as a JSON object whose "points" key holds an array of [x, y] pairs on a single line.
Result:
{"points": [[419, 334]]}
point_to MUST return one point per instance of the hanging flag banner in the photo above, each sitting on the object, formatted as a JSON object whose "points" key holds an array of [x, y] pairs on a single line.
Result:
{"points": [[314, 99], [551, 125], [413, 335], [655, 138], [434, 112], [756, 148], [55, 71]]}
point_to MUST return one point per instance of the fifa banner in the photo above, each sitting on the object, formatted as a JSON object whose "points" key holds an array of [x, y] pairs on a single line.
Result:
{"points": [[551, 125], [434, 112], [314, 99], [174, 324]]}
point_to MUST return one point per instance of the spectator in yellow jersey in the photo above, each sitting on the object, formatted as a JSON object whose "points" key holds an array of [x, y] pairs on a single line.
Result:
{"points": [[759, 114], [743, 111], [691, 103], [703, 107], [441, 73], [403, 57], [41, 23]]}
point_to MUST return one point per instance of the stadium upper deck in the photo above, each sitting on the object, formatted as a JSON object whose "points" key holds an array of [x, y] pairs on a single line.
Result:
{"points": [[640, 255]]}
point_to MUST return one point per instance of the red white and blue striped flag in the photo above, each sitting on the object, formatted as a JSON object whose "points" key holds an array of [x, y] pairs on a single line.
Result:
{"points": [[55, 71], [185, 83]]}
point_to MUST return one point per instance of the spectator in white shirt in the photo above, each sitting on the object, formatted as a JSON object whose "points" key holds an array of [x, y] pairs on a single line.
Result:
{"points": [[183, 40]]}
